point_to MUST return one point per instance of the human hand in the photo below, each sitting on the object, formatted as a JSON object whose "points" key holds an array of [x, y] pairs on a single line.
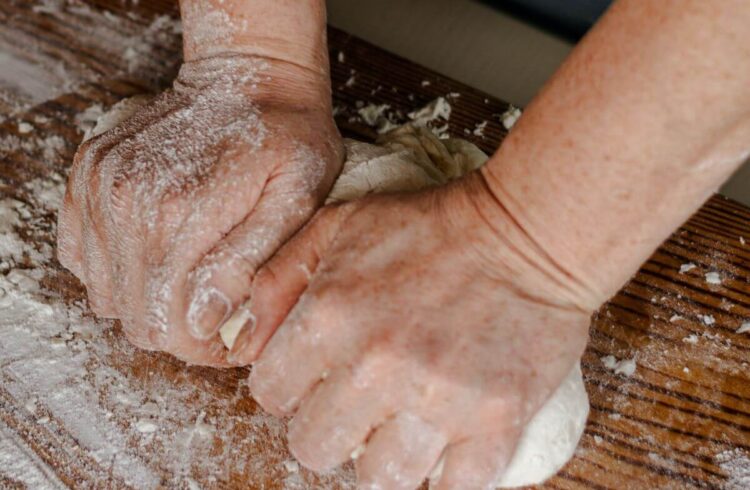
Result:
{"points": [[167, 216], [412, 326]]}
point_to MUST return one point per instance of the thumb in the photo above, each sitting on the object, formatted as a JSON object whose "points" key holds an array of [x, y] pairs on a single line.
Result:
{"points": [[279, 284], [221, 280]]}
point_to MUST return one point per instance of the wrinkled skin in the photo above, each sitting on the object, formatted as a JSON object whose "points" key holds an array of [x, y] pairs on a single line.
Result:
{"points": [[167, 216], [399, 321]]}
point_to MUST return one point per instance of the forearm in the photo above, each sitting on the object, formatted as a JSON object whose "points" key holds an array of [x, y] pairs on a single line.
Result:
{"points": [[647, 117], [293, 31]]}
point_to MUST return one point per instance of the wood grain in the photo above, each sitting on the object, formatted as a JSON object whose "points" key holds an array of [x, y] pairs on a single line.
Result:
{"points": [[663, 427]]}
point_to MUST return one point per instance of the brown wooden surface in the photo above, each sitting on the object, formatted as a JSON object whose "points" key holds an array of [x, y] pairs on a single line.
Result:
{"points": [[662, 427]]}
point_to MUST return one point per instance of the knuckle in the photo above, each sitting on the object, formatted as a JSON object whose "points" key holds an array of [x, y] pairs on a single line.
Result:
{"points": [[120, 193]]}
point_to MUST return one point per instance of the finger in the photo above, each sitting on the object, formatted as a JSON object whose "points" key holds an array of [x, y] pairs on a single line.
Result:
{"points": [[278, 285], [279, 379], [476, 463], [335, 420], [82, 246], [400, 454], [71, 215], [96, 272], [197, 352], [311, 341], [221, 281]]}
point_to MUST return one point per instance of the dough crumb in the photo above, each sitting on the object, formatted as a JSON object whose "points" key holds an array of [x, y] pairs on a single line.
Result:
{"points": [[691, 339], [745, 327], [687, 267], [479, 129], [25, 128], [625, 367], [510, 117], [146, 426], [713, 278], [707, 319]]}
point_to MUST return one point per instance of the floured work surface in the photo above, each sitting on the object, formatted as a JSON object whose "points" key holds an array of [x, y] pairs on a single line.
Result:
{"points": [[666, 368]]}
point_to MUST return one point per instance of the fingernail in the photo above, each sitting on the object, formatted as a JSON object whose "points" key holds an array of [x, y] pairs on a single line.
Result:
{"points": [[207, 313], [232, 327], [238, 353]]}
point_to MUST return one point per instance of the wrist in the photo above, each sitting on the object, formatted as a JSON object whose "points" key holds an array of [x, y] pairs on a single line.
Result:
{"points": [[293, 32], [518, 258], [266, 81]]}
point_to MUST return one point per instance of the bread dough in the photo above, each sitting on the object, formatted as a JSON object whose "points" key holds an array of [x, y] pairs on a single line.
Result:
{"points": [[407, 159]]}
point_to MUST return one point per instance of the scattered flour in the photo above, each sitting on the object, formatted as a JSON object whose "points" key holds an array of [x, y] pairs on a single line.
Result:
{"points": [[736, 466], [19, 463], [745, 327], [31, 72]]}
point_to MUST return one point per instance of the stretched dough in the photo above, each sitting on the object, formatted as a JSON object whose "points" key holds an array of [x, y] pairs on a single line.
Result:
{"points": [[408, 159]]}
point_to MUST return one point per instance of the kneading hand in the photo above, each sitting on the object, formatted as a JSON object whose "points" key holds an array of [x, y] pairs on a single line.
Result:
{"points": [[407, 327], [168, 215]]}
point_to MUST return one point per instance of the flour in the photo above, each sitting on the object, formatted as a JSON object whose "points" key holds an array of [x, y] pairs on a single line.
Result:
{"points": [[19, 463], [735, 464], [58, 361], [31, 72]]}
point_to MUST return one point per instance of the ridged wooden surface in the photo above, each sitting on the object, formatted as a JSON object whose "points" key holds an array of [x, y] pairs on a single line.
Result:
{"points": [[682, 420]]}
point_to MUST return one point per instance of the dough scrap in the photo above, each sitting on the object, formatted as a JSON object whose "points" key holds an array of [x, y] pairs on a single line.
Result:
{"points": [[408, 159]]}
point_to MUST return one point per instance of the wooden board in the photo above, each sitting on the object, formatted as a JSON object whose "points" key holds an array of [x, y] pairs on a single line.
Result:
{"points": [[682, 420]]}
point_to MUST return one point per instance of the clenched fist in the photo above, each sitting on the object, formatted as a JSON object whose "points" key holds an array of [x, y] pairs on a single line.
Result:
{"points": [[167, 216], [407, 327]]}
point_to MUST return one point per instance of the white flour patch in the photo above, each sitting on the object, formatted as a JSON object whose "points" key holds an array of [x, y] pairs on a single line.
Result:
{"points": [[33, 70], [19, 463], [736, 466]]}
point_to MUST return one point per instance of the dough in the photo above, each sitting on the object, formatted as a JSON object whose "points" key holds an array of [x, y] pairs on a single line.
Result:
{"points": [[410, 158]]}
